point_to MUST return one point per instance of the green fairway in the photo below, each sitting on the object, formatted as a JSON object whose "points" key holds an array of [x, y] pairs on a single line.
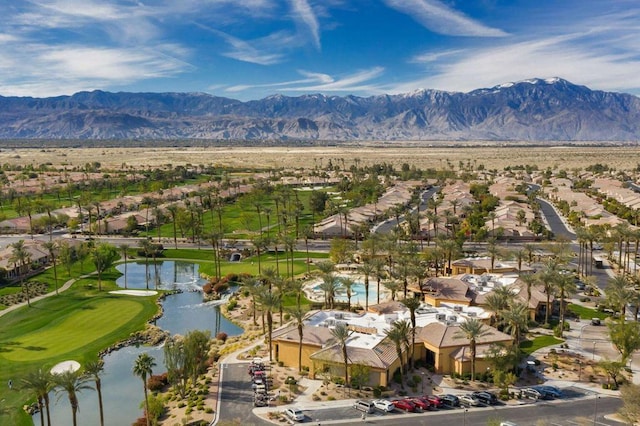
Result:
{"points": [[65, 335], [75, 325], [530, 346]]}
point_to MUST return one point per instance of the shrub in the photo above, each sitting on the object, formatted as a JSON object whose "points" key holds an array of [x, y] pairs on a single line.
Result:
{"points": [[315, 397], [233, 303], [377, 392], [220, 287], [331, 398], [207, 288], [157, 382], [222, 336]]}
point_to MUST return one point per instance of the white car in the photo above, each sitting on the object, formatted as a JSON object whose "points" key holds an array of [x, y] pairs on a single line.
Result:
{"points": [[383, 405], [468, 400], [294, 414]]}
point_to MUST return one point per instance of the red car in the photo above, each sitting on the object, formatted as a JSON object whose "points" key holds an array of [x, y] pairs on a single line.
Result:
{"points": [[404, 405], [435, 401], [421, 403]]}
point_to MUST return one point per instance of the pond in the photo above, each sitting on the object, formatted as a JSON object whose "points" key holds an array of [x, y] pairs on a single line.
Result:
{"points": [[122, 391]]}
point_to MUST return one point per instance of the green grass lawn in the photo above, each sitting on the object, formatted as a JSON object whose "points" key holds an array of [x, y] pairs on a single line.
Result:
{"points": [[530, 346], [587, 313], [76, 325]]}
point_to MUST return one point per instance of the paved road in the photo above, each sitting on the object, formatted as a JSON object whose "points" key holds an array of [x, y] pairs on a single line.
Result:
{"points": [[557, 413], [388, 225], [555, 222], [236, 397]]}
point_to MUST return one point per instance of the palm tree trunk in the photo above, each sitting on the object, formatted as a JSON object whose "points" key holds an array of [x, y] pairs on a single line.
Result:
{"points": [[146, 402], [100, 405]]}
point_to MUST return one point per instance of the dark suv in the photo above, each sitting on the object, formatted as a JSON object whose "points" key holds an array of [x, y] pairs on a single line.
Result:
{"points": [[485, 397]]}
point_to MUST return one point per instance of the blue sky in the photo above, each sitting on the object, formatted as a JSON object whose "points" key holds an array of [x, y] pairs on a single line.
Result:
{"points": [[249, 49]]}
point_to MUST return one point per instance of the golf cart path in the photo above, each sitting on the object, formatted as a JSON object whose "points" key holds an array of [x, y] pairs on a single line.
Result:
{"points": [[64, 287]]}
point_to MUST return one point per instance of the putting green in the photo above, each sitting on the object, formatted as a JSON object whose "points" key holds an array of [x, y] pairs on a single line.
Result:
{"points": [[71, 332]]}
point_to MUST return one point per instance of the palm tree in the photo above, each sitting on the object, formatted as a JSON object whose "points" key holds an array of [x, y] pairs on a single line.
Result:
{"points": [[51, 247], [618, 294], [252, 284], [124, 249], [297, 314], [498, 301], [341, 334], [515, 320], [472, 329], [20, 257], [412, 304], [94, 370], [143, 368], [173, 212], [71, 382], [269, 302], [399, 335], [564, 285], [329, 286], [348, 283], [529, 280], [40, 383], [394, 286], [367, 270]]}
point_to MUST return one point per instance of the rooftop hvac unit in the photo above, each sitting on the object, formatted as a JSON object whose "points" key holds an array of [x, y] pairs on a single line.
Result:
{"points": [[453, 318], [339, 315], [342, 323], [457, 309], [330, 322], [472, 314], [441, 317]]}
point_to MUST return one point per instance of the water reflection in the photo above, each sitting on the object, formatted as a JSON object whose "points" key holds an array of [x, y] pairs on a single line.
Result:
{"points": [[121, 390]]}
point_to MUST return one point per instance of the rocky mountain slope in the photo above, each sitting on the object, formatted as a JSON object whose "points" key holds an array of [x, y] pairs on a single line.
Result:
{"points": [[531, 110]]}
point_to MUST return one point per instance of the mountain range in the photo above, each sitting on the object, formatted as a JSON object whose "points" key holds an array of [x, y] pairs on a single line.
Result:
{"points": [[531, 110]]}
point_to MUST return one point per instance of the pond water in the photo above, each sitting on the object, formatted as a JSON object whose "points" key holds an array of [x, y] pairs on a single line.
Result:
{"points": [[122, 392]]}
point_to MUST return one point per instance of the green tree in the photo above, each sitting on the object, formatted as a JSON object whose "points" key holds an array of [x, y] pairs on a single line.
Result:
{"points": [[40, 382], [412, 304], [399, 333], [94, 370], [340, 334], [472, 330], [175, 361], [71, 382], [124, 250], [103, 256], [51, 248], [298, 314], [360, 375], [613, 370], [143, 368], [626, 337], [20, 257]]}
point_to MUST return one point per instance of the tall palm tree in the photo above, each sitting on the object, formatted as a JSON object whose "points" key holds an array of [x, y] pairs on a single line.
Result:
{"points": [[398, 334], [515, 320], [71, 382], [252, 284], [340, 334], [618, 293], [472, 330], [499, 300], [529, 280], [20, 257], [329, 286], [348, 283], [124, 249], [297, 314], [564, 286], [366, 269], [143, 368], [269, 301], [51, 247], [173, 210], [412, 304], [40, 382], [94, 370]]}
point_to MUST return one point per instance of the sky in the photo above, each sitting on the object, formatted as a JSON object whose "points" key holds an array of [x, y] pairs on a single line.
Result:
{"points": [[250, 49]]}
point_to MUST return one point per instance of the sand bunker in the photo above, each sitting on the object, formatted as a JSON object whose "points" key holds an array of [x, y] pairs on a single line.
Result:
{"points": [[65, 366], [135, 292]]}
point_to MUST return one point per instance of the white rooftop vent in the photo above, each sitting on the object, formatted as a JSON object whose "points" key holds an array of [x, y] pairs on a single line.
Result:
{"points": [[457, 308], [339, 315], [441, 317], [453, 318], [472, 314]]}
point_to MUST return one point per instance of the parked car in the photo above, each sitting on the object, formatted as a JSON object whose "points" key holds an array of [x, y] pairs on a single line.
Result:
{"points": [[435, 401], [469, 400], [294, 414], [551, 391], [535, 393], [364, 406], [486, 397], [383, 405], [421, 403], [449, 400], [404, 405]]}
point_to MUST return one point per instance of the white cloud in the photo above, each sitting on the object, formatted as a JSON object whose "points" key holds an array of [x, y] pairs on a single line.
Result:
{"points": [[311, 77], [359, 81], [439, 18], [574, 57], [304, 12]]}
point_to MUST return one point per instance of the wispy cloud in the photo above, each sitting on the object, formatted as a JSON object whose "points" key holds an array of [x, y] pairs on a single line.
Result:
{"points": [[56, 70], [439, 18], [304, 12], [427, 57], [311, 77], [578, 57], [360, 81]]}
